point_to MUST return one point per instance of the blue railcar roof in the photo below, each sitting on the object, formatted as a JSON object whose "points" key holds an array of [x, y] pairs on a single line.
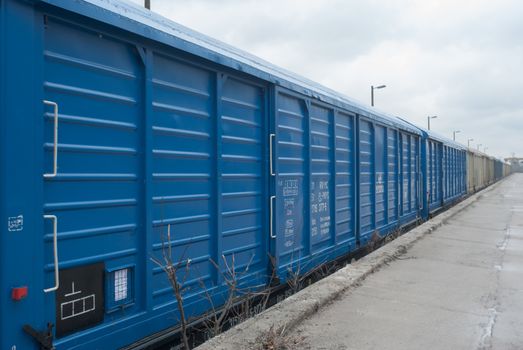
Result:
{"points": [[136, 19], [435, 136]]}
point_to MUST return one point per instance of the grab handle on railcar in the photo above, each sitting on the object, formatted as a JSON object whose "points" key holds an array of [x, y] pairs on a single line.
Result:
{"points": [[271, 218], [271, 141], [55, 139], [55, 250]]}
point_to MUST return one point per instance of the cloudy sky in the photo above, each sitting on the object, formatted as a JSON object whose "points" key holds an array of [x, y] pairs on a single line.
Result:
{"points": [[460, 60]]}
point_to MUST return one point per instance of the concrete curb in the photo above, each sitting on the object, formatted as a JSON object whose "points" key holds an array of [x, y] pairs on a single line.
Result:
{"points": [[293, 310]]}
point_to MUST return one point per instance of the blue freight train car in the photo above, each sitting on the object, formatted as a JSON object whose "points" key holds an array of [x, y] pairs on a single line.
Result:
{"points": [[444, 169], [120, 127], [339, 177], [443, 172]]}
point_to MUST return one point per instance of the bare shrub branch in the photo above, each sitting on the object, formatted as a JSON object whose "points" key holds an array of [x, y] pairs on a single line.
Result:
{"points": [[171, 269]]}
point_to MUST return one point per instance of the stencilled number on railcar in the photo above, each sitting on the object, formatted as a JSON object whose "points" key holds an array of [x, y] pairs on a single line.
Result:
{"points": [[380, 186], [290, 190], [320, 215]]}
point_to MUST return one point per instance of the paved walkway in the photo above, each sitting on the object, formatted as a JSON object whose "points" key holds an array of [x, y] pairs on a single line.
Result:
{"points": [[460, 287]]}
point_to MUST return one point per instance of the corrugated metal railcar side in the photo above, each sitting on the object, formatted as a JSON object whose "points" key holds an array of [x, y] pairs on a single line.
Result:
{"points": [[444, 172], [315, 182], [476, 174], [498, 169], [483, 170], [507, 169], [410, 160], [386, 155], [429, 163], [470, 172], [491, 171], [434, 174], [454, 175]]}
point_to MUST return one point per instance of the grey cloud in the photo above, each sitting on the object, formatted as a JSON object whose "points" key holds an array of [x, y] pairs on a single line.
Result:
{"points": [[461, 60]]}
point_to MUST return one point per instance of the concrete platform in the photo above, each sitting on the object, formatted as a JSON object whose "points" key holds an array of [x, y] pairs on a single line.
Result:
{"points": [[460, 287]]}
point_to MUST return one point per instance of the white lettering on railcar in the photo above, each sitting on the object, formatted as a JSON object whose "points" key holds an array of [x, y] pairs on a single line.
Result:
{"points": [[290, 188], [15, 223], [325, 224], [289, 206], [380, 186], [320, 216], [290, 191]]}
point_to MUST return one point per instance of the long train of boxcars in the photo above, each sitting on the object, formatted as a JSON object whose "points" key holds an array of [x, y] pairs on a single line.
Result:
{"points": [[117, 124]]}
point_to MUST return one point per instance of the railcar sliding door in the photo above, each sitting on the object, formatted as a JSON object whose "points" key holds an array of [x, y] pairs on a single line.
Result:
{"points": [[345, 156], [378, 180], [445, 170], [290, 230], [434, 177], [367, 180], [93, 176], [323, 177], [393, 175], [409, 158], [314, 183], [381, 175]]}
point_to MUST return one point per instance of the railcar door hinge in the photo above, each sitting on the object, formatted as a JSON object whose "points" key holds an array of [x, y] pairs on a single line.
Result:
{"points": [[44, 338]]}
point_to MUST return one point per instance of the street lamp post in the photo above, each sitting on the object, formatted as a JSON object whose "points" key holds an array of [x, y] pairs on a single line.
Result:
{"points": [[429, 118], [468, 142], [479, 145], [372, 88], [454, 134]]}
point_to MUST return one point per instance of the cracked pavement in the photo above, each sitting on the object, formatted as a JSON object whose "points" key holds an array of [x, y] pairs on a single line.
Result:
{"points": [[461, 287]]}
